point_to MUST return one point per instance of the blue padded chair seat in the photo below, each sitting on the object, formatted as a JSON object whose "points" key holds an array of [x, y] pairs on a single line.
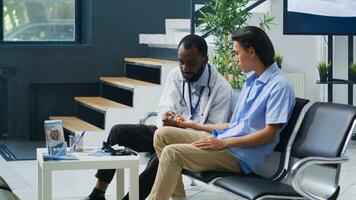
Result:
{"points": [[254, 187]]}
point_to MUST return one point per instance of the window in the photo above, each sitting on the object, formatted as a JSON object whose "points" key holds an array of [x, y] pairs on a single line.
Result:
{"points": [[40, 21]]}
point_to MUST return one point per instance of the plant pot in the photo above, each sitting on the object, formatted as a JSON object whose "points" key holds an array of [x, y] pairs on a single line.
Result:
{"points": [[323, 77]]}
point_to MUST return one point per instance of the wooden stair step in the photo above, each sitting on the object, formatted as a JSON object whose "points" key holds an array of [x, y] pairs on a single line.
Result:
{"points": [[74, 124], [149, 61], [99, 103], [126, 83]]}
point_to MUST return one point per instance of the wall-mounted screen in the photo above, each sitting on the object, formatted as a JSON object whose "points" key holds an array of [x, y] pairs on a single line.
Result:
{"points": [[320, 17]]}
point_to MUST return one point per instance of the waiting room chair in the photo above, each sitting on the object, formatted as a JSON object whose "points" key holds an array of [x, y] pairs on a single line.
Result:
{"points": [[316, 153]]}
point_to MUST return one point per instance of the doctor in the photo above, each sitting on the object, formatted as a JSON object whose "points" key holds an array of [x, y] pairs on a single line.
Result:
{"points": [[194, 91]]}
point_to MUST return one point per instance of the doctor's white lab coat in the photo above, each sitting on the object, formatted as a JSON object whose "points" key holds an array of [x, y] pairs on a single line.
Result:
{"points": [[211, 109]]}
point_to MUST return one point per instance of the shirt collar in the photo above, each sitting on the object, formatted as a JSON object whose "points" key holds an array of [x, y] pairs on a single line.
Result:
{"points": [[267, 74], [250, 78]]}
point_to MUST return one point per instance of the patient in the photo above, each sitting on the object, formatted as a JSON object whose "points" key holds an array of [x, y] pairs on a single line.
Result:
{"points": [[263, 109]]}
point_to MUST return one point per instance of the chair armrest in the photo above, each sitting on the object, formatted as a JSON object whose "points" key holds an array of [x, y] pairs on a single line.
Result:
{"points": [[146, 116], [299, 167]]}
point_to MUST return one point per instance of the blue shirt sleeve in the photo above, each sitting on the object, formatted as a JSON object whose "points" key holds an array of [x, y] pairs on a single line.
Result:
{"points": [[280, 104]]}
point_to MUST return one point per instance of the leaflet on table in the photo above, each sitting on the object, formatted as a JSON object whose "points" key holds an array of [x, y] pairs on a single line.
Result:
{"points": [[47, 157], [55, 142]]}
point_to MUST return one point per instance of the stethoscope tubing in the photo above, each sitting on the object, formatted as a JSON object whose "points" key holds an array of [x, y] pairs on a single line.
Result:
{"points": [[182, 102]]}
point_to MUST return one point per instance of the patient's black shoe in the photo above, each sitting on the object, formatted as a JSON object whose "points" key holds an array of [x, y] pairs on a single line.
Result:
{"points": [[96, 195]]}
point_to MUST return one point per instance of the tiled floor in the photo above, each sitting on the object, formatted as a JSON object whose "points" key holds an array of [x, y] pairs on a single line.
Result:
{"points": [[74, 185]]}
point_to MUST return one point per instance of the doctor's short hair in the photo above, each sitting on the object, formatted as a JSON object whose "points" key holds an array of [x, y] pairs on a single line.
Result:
{"points": [[196, 41], [252, 36]]}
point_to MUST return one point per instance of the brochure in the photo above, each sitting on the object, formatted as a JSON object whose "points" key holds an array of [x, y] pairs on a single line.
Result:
{"points": [[55, 142]]}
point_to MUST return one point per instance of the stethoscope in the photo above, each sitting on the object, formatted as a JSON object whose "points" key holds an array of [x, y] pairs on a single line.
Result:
{"points": [[183, 102]]}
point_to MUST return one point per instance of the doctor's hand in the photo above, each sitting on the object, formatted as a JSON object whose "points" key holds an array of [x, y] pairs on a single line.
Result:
{"points": [[210, 143]]}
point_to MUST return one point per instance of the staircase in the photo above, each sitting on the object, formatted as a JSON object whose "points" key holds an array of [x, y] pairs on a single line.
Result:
{"points": [[122, 99]]}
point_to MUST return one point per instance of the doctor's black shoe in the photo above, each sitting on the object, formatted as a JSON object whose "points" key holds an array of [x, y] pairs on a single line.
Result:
{"points": [[96, 195]]}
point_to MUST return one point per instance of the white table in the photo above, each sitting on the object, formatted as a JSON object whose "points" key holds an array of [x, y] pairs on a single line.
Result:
{"points": [[86, 161]]}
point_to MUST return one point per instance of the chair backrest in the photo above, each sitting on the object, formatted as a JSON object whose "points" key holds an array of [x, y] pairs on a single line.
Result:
{"points": [[282, 147], [325, 130], [288, 130]]}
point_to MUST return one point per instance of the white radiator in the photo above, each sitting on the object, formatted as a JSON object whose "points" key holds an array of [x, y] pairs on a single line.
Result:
{"points": [[297, 80]]}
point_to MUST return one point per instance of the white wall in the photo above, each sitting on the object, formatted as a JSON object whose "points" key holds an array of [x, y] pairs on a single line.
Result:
{"points": [[302, 53]]}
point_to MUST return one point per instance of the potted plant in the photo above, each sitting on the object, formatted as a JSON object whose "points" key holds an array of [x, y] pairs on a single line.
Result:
{"points": [[223, 18], [352, 72], [323, 70], [278, 58]]}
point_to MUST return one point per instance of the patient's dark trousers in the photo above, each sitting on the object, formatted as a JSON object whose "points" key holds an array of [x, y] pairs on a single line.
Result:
{"points": [[139, 138]]}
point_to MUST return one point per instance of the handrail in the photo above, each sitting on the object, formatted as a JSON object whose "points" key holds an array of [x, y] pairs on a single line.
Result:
{"points": [[254, 5], [194, 14]]}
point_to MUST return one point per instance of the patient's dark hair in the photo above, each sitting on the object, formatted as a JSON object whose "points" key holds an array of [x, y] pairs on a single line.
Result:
{"points": [[196, 41], [251, 36]]}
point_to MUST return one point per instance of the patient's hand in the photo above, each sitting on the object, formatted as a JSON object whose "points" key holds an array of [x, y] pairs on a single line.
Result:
{"points": [[168, 119], [185, 124], [178, 118], [210, 143]]}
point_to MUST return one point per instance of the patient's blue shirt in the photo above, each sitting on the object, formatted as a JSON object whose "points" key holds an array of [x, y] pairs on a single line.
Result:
{"points": [[267, 99]]}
